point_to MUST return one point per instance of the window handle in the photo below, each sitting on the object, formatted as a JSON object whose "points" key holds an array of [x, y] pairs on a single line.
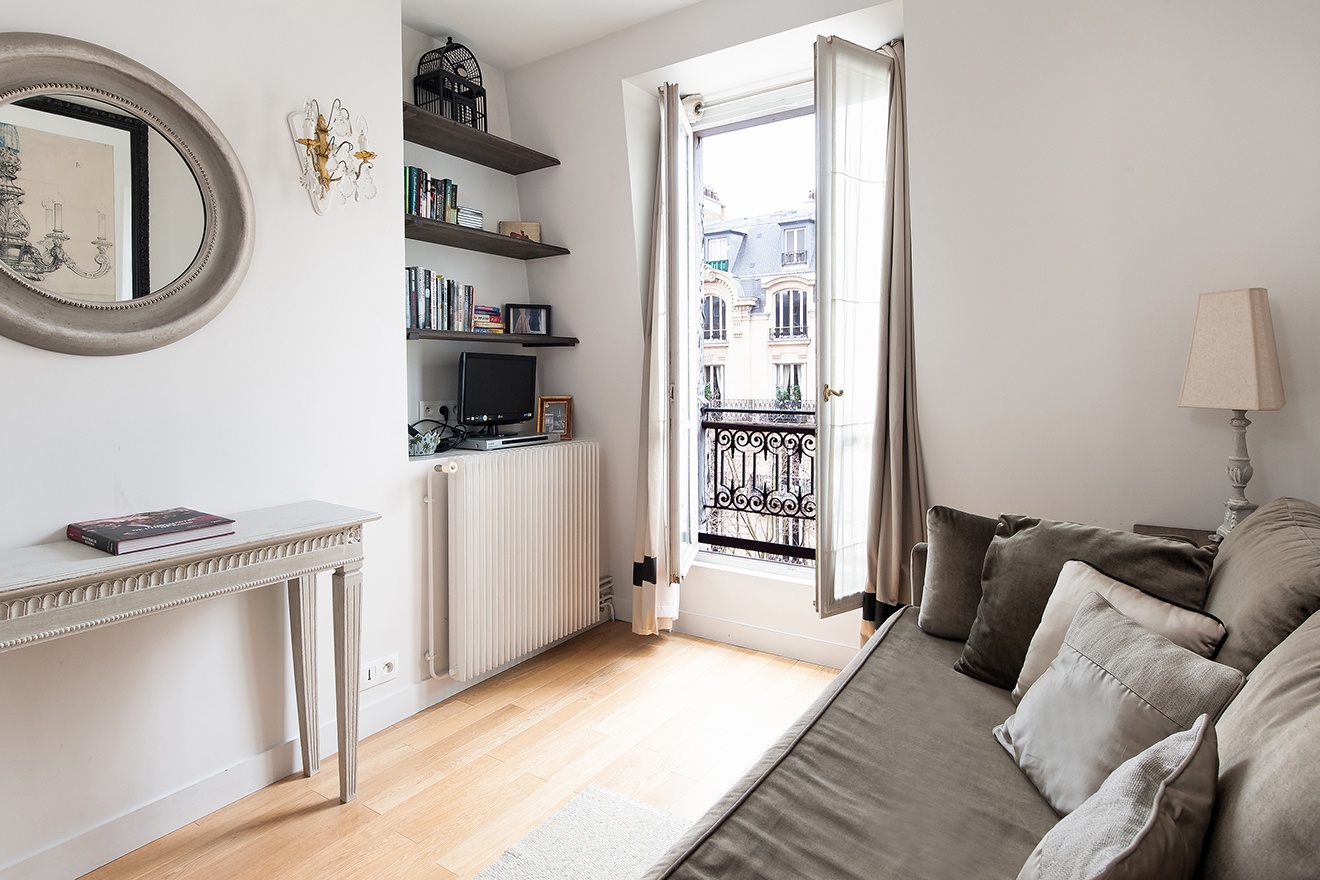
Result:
{"points": [[830, 392]]}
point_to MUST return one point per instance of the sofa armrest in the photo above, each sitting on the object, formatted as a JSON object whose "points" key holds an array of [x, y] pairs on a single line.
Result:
{"points": [[918, 571]]}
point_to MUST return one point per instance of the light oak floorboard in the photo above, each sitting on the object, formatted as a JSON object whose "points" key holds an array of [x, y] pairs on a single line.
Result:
{"points": [[670, 720]]}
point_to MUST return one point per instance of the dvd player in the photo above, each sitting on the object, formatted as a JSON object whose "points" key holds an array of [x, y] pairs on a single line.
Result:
{"points": [[506, 442]]}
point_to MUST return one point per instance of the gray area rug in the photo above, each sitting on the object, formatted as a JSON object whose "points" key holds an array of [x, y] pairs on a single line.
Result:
{"points": [[598, 835]]}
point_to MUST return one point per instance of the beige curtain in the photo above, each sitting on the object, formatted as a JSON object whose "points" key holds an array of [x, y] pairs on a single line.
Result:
{"points": [[658, 558], [897, 517]]}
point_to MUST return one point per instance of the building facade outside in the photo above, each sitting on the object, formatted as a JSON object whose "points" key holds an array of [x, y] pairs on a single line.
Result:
{"points": [[758, 331]]}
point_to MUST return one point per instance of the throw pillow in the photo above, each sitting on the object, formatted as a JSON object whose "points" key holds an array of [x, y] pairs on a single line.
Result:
{"points": [[1193, 630], [1266, 823], [956, 545], [1024, 561], [1114, 690], [1146, 822], [1267, 579]]}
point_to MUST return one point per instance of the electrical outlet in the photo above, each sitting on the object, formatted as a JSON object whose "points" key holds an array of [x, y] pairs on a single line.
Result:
{"points": [[380, 670], [437, 409]]}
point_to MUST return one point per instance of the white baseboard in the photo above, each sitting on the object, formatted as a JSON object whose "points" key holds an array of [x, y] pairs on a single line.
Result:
{"points": [[799, 647], [106, 842]]}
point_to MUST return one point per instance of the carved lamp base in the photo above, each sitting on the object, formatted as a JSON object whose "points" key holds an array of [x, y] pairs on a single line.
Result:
{"points": [[1237, 507]]}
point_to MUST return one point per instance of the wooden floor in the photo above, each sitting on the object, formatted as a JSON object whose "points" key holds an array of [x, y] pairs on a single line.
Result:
{"points": [[670, 720]]}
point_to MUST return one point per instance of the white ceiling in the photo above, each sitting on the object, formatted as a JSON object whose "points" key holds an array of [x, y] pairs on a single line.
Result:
{"points": [[511, 33]]}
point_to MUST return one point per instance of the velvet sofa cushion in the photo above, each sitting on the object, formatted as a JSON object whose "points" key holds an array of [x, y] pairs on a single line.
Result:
{"points": [[1023, 563], [956, 544], [1193, 630], [1147, 821], [1266, 580], [1267, 820], [1115, 689]]}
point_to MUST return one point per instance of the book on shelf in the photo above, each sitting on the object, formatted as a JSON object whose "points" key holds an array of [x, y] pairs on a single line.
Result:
{"points": [[145, 531]]}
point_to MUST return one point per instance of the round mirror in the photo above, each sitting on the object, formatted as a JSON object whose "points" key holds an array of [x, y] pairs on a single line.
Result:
{"points": [[125, 217]]}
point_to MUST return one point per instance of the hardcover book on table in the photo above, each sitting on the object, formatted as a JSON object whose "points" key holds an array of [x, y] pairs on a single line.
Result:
{"points": [[144, 531]]}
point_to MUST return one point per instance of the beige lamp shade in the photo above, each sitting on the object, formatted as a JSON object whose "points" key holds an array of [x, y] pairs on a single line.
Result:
{"points": [[1233, 363]]}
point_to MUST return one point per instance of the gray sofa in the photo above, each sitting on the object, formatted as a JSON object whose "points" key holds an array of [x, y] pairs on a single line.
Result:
{"points": [[894, 770]]}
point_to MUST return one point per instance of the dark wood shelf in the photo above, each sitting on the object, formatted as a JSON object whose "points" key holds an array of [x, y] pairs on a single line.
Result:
{"points": [[453, 235], [527, 340], [426, 128]]}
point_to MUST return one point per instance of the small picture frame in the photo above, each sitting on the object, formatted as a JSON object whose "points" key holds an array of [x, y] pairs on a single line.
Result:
{"points": [[554, 415], [532, 320]]}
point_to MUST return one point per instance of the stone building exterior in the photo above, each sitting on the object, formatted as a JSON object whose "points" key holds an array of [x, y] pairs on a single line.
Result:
{"points": [[758, 307]]}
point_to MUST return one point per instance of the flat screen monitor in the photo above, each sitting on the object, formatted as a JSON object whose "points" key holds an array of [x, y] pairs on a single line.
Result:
{"points": [[496, 389]]}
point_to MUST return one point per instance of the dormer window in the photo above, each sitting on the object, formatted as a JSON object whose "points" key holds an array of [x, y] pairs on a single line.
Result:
{"points": [[717, 253], [795, 246]]}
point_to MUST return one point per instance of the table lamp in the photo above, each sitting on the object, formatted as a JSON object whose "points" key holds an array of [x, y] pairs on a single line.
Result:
{"points": [[1234, 364]]}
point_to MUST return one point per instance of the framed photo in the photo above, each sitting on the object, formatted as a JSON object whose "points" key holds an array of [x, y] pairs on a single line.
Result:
{"points": [[84, 175], [554, 415], [524, 318]]}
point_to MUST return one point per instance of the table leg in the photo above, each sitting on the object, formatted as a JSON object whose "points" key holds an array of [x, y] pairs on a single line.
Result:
{"points": [[302, 631], [347, 596]]}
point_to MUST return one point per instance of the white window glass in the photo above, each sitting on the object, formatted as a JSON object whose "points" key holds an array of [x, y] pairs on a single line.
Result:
{"points": [[713, 319], [790, 313]]}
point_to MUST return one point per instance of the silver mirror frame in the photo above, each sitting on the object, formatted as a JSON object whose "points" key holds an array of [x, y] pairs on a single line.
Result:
{"points": [[35, 64]]}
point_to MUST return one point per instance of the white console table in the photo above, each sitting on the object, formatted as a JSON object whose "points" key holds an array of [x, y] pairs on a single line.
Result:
{"points": [[54, 590]]}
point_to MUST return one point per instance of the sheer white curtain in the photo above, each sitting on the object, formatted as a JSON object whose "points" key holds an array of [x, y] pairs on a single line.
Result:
{"points": [[665, 524], [870, 486]]}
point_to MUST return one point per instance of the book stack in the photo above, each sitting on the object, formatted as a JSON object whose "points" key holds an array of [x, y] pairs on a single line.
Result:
{"points": [[430, 197], [143, 531], [487, 319], [469, 217], [434, 302]]}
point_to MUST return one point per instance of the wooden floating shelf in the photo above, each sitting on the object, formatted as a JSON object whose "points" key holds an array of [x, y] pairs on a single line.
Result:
{"points": [[426, 128], [528, 340], [453, 235]]}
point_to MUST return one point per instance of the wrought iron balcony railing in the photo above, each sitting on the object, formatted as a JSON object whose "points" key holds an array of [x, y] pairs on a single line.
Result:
{"points": [[758, 480], [794, 258]]}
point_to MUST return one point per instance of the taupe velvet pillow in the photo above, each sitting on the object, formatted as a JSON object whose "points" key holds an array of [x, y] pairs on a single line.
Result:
{"points": [[1023, 564], [956, 545], [1193, 630], [1267, 822], [1147, 821], [1115, 689], [1266, 580]]}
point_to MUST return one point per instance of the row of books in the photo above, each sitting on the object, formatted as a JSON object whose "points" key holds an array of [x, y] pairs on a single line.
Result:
{"points": [[434, 302], [437, 199], [430, 197]]}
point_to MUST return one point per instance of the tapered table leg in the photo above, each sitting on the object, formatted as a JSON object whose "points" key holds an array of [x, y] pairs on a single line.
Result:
{"points": [[347, 597], [302, 630]]}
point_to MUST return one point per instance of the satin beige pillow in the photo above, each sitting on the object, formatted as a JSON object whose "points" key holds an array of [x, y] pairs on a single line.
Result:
{"points": [[1147, 821], [1115, 689], [1193, 630]]}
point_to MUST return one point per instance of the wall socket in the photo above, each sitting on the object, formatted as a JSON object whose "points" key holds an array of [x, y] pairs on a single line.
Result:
{"points": [[377, 671], [431, 409]]}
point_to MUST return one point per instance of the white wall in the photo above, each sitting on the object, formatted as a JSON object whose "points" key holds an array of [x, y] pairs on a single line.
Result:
{"points": [[1080, 173], [297, 390]]}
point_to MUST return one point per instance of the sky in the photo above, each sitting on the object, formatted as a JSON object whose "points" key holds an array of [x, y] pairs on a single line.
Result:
{"points": [[762, 169]]}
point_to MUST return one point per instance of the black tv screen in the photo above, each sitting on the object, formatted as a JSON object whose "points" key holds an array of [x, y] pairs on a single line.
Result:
{"points": [[496, 389]]}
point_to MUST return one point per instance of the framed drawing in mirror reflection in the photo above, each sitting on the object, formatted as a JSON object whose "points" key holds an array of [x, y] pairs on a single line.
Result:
{"points": [[75, 187]]}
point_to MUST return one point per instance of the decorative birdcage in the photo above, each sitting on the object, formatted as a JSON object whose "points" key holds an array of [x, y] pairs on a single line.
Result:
{"points": [[448, 83]]}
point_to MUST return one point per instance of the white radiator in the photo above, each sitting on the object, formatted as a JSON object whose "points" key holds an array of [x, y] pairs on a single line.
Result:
{"points": [[520, 551]]}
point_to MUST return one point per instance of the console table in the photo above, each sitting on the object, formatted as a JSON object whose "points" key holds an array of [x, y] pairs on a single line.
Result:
{"points": [[54, 590]]}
